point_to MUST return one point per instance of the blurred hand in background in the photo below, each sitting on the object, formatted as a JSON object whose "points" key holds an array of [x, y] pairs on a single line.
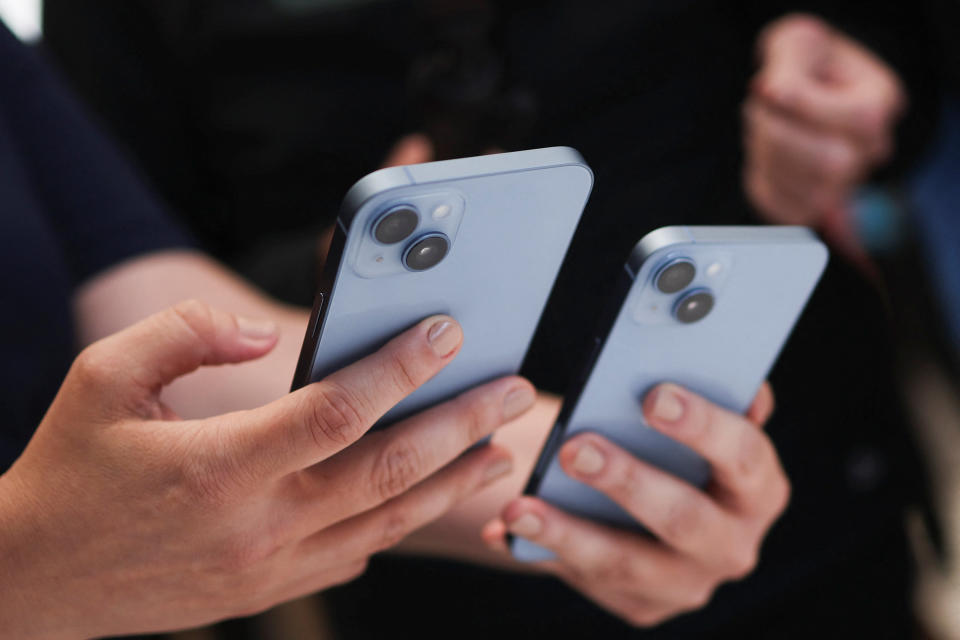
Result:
{"points": [[819, 118]]}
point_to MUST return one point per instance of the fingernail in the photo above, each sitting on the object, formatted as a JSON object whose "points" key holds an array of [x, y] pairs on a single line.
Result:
{"points": [[256, 329], [667, 405], [518, 401], [498, 469], [526, 526], [589, 460], [444, 336]]}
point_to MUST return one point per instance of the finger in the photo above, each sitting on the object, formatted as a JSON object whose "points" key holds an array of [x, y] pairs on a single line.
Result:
{"points": [[596, 554], [139, 361], [680, 515], [387, 525], [828, 80], [415, 148], [791, 51], [494, 536], [315, 422], [637, 611], [762, 406], [815, 163], [747, 474], [387, 463]]}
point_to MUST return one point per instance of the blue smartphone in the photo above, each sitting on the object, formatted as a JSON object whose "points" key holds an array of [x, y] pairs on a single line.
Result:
{"points": [[708, 308], [480, 239]]}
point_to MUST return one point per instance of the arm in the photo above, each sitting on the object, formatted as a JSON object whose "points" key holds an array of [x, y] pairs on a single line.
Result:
{"points": [[135, 289]]}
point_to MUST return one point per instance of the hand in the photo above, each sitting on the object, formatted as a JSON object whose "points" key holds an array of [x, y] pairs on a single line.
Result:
{"points": [[819, 118], [700, 538], [119, 518]]}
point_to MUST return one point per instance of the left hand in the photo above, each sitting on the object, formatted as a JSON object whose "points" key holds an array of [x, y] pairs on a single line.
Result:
{"points": [[701, 538]]}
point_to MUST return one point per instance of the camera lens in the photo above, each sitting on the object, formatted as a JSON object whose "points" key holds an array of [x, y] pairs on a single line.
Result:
{"points": [[396, 225], [676, 276], [694, 306], [426, 253]]}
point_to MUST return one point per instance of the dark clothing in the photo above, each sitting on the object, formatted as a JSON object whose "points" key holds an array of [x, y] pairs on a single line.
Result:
{"points": [[255, 119], [69, 208]]}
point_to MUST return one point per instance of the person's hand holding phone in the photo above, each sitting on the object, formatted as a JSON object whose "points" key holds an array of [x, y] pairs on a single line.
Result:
{"points": [[819, 117], [700, 538], [121, 518]]}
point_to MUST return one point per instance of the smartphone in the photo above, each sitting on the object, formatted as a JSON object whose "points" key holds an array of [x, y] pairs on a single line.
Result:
{"points": [[480, 239], [708, 308]]}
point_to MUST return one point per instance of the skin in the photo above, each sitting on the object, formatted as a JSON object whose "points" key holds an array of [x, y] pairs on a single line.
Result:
{"points": [[239, 515], [818, 119], [700, 539], [120, 517]]}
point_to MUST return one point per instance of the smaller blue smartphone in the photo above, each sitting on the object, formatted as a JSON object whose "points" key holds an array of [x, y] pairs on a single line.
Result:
{"points": [[708, 308], [480, 239]]}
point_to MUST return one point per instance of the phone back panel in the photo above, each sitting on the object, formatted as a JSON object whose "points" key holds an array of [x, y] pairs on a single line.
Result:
{"points": [[761, 278], [510, 219]]}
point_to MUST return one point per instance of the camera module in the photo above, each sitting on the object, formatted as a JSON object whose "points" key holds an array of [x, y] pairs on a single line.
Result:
{"points": [[427, 252], [676, 275], [396, 225], [694, 306]]}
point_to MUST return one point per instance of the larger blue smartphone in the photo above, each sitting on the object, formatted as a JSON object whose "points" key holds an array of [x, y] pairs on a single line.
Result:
{"points": [[480, 239], [708, 308]]}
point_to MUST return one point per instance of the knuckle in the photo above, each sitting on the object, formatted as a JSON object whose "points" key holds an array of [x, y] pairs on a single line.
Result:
{"points": [[397, 468], [243, 554], [476, 414], [752, 453], [782, 493], [400, 371], [742, 562], [395, 528], [334, 416], [93, 366], [197, 316], [699, 598], [683, 521], [642, 617]]}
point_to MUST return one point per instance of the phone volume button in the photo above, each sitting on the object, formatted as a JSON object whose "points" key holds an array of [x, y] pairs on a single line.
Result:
{"points": [[318, 316]]}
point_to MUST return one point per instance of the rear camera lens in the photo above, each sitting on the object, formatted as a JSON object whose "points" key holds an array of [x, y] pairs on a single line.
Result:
{"points": [[676, 276], [427, 252], [694, 306], [396, 225]]}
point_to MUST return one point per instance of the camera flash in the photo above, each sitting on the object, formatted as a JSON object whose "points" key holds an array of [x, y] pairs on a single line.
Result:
{"points": [[441, 212], [714, 269]]}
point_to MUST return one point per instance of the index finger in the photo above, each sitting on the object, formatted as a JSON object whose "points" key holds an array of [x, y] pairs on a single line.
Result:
{"points": [[315, 422]]}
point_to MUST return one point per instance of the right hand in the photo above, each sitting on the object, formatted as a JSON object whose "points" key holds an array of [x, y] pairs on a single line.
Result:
{"points": [[819, 118], [120, 518]]}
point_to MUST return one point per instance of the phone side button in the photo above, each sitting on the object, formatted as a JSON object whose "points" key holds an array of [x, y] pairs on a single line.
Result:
{"points": [[318, 316]]}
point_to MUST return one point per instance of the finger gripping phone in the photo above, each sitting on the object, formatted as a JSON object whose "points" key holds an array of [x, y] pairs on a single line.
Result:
{"points": [[480, 239], [708, 308]]}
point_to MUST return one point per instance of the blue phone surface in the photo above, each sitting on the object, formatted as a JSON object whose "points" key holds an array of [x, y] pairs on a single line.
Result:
{"points": [[757, 279], [507, 221]]}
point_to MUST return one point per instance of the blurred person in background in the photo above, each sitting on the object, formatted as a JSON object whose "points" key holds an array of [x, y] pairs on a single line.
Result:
{"points": [[240, 110]]}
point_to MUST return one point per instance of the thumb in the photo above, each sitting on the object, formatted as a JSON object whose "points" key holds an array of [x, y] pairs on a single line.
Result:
{"points": [[792, 53], [132, 366]]}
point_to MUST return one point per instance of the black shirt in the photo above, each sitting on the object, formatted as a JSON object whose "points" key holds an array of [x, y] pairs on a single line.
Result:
{"points": [[69, 208]]}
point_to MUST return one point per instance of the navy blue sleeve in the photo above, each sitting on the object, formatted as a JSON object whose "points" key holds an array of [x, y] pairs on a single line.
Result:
{"points": [[102, 210]]}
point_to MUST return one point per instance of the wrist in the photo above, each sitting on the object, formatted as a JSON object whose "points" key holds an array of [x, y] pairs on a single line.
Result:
{"points": [[32, 604]]}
